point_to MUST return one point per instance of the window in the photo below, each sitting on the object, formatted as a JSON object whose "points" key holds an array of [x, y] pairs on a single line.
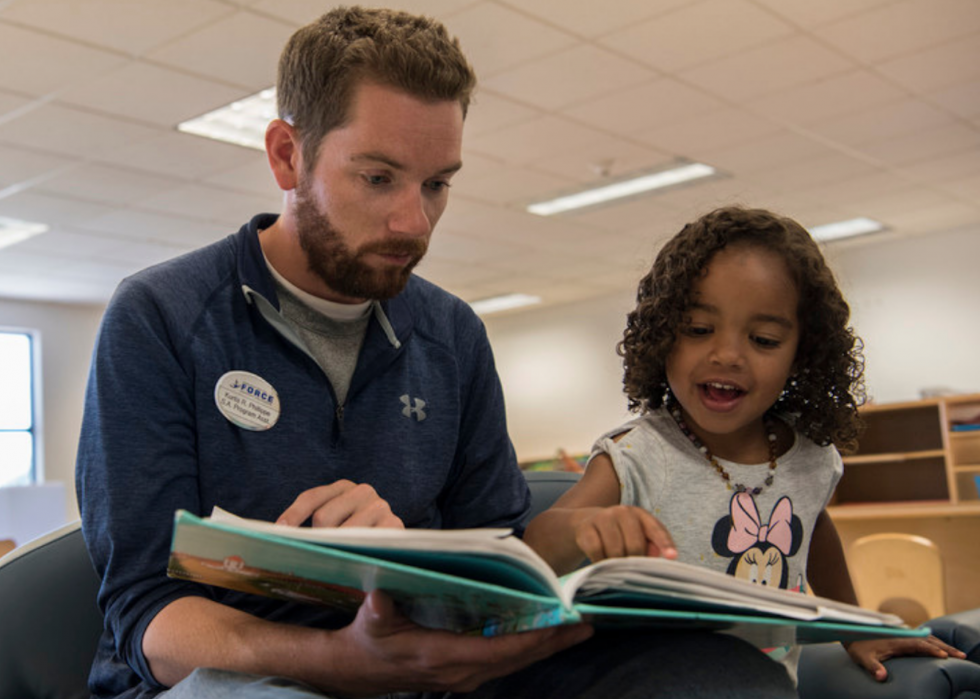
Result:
{"points": [[17, 431]]}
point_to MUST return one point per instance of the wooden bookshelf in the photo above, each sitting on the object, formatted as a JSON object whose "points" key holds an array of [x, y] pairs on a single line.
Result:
{"points": [[914, 473]]}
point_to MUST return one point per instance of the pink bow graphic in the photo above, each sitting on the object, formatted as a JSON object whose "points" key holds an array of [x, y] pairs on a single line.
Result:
{"points": [[747, 530]]}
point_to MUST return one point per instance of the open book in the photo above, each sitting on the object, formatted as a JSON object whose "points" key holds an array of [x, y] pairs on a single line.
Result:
{"points": [[489, 582]]}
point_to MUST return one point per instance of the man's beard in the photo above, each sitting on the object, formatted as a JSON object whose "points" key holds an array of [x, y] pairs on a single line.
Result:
{"points": [[343, 270]]}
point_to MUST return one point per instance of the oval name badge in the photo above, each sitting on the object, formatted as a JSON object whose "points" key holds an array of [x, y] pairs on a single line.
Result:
{"points": [[247, 400]]}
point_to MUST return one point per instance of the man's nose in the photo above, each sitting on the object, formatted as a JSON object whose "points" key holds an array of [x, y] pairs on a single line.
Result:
{"points": [[411, 216]]}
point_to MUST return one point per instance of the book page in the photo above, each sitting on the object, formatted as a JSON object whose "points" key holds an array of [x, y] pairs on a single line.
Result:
{"points": [[635, 578]]}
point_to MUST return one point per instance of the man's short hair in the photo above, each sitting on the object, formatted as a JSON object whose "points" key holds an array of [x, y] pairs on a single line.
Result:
{"points": [[323, 63]]}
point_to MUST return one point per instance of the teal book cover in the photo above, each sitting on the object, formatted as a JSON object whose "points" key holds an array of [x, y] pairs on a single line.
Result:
{"points": [[486, 581]]}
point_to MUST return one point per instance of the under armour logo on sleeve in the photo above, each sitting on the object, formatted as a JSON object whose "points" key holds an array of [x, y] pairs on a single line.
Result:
{"points": [[416, 409]]}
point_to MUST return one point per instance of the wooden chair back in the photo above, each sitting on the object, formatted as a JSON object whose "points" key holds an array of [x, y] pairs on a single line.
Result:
{"points": [[899, 573]]}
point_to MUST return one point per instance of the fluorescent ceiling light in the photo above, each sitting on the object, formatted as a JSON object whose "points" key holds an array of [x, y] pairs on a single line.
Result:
{"points": [[242, 123], [623, 188], [503, 303], [13, 231], [846, 229]]}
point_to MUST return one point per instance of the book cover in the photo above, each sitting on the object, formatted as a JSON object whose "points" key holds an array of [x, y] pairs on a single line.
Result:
{"points": [[485, 581]]}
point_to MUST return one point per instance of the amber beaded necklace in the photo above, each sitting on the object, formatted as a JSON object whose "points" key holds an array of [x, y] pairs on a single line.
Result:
{"points": [[675, 412]]}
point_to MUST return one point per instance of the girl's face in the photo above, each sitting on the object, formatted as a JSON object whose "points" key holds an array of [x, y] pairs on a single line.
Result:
{"points": [[730, 362]]}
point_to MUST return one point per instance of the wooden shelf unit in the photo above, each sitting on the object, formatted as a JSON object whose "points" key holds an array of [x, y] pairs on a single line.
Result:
{"points": [[910, 460]]}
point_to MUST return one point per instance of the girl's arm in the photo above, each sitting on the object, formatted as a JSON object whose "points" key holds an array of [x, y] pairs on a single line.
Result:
{"points": [[826, 566], [588, 522], [827, 572]]}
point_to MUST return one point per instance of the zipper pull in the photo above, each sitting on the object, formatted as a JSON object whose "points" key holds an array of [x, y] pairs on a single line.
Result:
{"points": [[340, 418]]}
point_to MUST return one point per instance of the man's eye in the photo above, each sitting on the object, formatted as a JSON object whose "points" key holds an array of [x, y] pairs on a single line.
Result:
{"points": [[377, 179], [436, 185]]}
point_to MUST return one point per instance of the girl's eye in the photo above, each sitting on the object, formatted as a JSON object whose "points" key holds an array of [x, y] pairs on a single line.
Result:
{"points": [[766, 342], [697, 330]]}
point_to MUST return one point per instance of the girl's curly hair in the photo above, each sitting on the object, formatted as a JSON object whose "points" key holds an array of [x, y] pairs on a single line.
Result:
{"points": [[827, 387]]}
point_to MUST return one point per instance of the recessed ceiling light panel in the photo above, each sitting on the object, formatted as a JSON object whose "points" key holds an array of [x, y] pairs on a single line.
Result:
{"points": [[13, 231], [506, 302], [627, 187], [242, 123], [846, 229]]}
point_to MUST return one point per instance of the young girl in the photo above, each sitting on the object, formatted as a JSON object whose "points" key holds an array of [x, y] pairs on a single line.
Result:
{"points": [[747, 377]]}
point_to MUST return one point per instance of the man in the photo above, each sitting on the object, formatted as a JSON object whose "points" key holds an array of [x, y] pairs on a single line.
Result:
{"points": [[298, 372]]}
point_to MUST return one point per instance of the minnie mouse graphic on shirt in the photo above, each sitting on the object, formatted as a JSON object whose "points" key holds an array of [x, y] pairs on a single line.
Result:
{"points": [[759, 551]]}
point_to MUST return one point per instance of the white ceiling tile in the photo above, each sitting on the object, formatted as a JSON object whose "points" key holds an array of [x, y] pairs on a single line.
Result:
{"points": [[697, 33], [886, 121], [964, 164], [943, 140], [206, 203], [146, 92], [509, 185], [809, 14], [255, 177], [771, 151], [495, 38], [937, 67], [901, 27], [10, 103], [638, 109], [168, 228], [817, 171], [490, 112], [242, 49], [904, 202], [51, 209], [304, 11], [534, 140], [54, 62], [967, 188], [568, 77], [19, 165], [962, 100], [764, 70], [854, 190], [179, 155], [608, 157], [107, 185], [831, 97], [945, 216], [62, 130], [592, 19], [703, 134], [129, 26]]}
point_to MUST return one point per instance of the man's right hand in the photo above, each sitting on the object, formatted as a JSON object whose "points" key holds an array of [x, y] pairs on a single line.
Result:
{"points": [[386, 651], [341, 504]]}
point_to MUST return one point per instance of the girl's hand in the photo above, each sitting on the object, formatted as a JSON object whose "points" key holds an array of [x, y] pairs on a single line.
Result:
{"points": [[870, 654], [620, 530]]}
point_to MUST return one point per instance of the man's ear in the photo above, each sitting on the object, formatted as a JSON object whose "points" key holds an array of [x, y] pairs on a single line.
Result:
{"points": [[283, 148]]}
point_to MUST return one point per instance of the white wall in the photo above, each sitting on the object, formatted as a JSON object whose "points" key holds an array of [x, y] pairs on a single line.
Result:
{"points": [[66, 334], [561, 375], [915, 301]]}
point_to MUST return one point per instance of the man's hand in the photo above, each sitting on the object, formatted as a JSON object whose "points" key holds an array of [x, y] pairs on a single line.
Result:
{"points": [[384, 651], [870, 654], [621, 530], [341, 504]]}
